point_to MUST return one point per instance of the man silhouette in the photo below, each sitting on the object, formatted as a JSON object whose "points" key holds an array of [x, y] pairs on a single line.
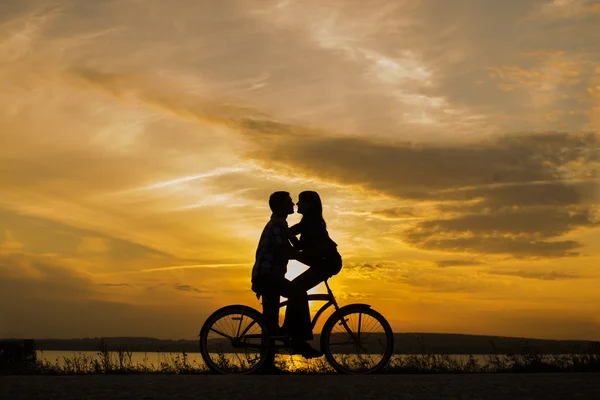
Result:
{"points": [[268, 279]]}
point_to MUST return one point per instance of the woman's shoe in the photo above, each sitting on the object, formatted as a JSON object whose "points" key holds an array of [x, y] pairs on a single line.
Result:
{"points": [[305, 350]]}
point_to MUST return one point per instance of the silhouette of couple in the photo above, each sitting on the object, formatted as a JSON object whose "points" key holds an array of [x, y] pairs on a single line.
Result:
{"points": [[278, 244]]}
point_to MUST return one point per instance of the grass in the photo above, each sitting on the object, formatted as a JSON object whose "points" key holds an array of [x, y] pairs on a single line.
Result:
{"points": [[527, 360], [120, 361]]}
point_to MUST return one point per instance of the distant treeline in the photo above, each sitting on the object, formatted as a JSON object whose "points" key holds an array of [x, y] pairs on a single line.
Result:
{"points": [[405, 343]]}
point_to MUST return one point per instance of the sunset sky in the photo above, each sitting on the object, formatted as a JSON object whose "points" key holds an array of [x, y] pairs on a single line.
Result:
{"points": [[455, 146]]}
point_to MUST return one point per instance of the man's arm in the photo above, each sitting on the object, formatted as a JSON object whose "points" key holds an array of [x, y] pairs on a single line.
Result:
{"points": [[281, 241]]}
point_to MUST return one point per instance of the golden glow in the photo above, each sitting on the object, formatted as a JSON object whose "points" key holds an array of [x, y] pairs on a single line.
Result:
{"points": [[138, 151]]}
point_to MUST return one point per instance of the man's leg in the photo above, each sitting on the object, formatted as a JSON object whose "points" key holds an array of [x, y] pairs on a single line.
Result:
{"points": [[270, 306]]}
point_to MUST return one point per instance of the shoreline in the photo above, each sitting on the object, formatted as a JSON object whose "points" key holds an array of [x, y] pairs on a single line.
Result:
{"points": [[20, 358], [404, 343]]}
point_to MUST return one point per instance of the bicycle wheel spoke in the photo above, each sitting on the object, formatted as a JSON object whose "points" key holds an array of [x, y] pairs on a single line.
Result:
{"points": [[230, 324], [359, 321], [358, 341], [250, 325], [240, 324], [220, 333], [231, 340], [371, 322]]}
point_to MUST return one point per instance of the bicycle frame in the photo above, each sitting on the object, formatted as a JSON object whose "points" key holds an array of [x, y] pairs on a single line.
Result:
{"points": [[330, 301]]}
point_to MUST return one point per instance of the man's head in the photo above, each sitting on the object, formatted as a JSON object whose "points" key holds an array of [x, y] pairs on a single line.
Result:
{"points": [[281, 203]]}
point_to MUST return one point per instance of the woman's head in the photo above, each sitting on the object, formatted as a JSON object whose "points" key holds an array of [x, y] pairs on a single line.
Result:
{"points": [[309, 205]]}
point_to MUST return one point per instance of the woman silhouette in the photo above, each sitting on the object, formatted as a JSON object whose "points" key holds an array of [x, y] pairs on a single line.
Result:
{"points": [[317, 250]]}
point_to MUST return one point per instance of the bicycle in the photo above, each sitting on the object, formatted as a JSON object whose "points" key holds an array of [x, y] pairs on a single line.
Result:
{"points": [[240, 342]]}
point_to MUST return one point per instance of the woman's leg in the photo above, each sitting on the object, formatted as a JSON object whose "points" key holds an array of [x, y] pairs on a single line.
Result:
{"points": [[311, 277], [296, 322], [297, 315]]}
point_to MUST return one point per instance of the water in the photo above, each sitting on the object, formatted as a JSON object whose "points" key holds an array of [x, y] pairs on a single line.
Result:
{"points": [[155, 359]]}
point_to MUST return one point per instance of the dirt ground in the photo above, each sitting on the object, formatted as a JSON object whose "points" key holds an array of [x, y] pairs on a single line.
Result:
{"points": [[287, 387]]}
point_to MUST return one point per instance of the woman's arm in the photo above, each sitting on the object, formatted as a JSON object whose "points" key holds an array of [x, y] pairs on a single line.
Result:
{"points": [[292, 236], [296, 229]]}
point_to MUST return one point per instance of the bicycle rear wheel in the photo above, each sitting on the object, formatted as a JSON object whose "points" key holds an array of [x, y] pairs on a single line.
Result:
{"points": [[357, 340], [231, 340]]}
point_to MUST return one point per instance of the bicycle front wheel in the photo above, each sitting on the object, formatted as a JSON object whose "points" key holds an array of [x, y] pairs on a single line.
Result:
{"points": [[357, 340], [232, 340]]}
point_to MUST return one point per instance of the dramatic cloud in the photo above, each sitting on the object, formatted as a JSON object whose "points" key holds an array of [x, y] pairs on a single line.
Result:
{"points": [[457, 263], [520, 184], [140, 140], [395, 213], [415, 171], [520, 233], [546, 276]]}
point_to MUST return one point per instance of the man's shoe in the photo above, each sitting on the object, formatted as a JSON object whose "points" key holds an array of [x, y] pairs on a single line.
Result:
{"points": [[311, 352], [306, 350]]}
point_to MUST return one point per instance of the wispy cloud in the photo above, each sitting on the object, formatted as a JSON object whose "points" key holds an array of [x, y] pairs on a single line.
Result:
{"points": [[177, 267], [209, 174], [541, 275], [138, 153], [458, 263]]}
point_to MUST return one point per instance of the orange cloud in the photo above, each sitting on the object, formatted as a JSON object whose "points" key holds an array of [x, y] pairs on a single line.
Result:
{"points": [[93, 245], [138, 153]]}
